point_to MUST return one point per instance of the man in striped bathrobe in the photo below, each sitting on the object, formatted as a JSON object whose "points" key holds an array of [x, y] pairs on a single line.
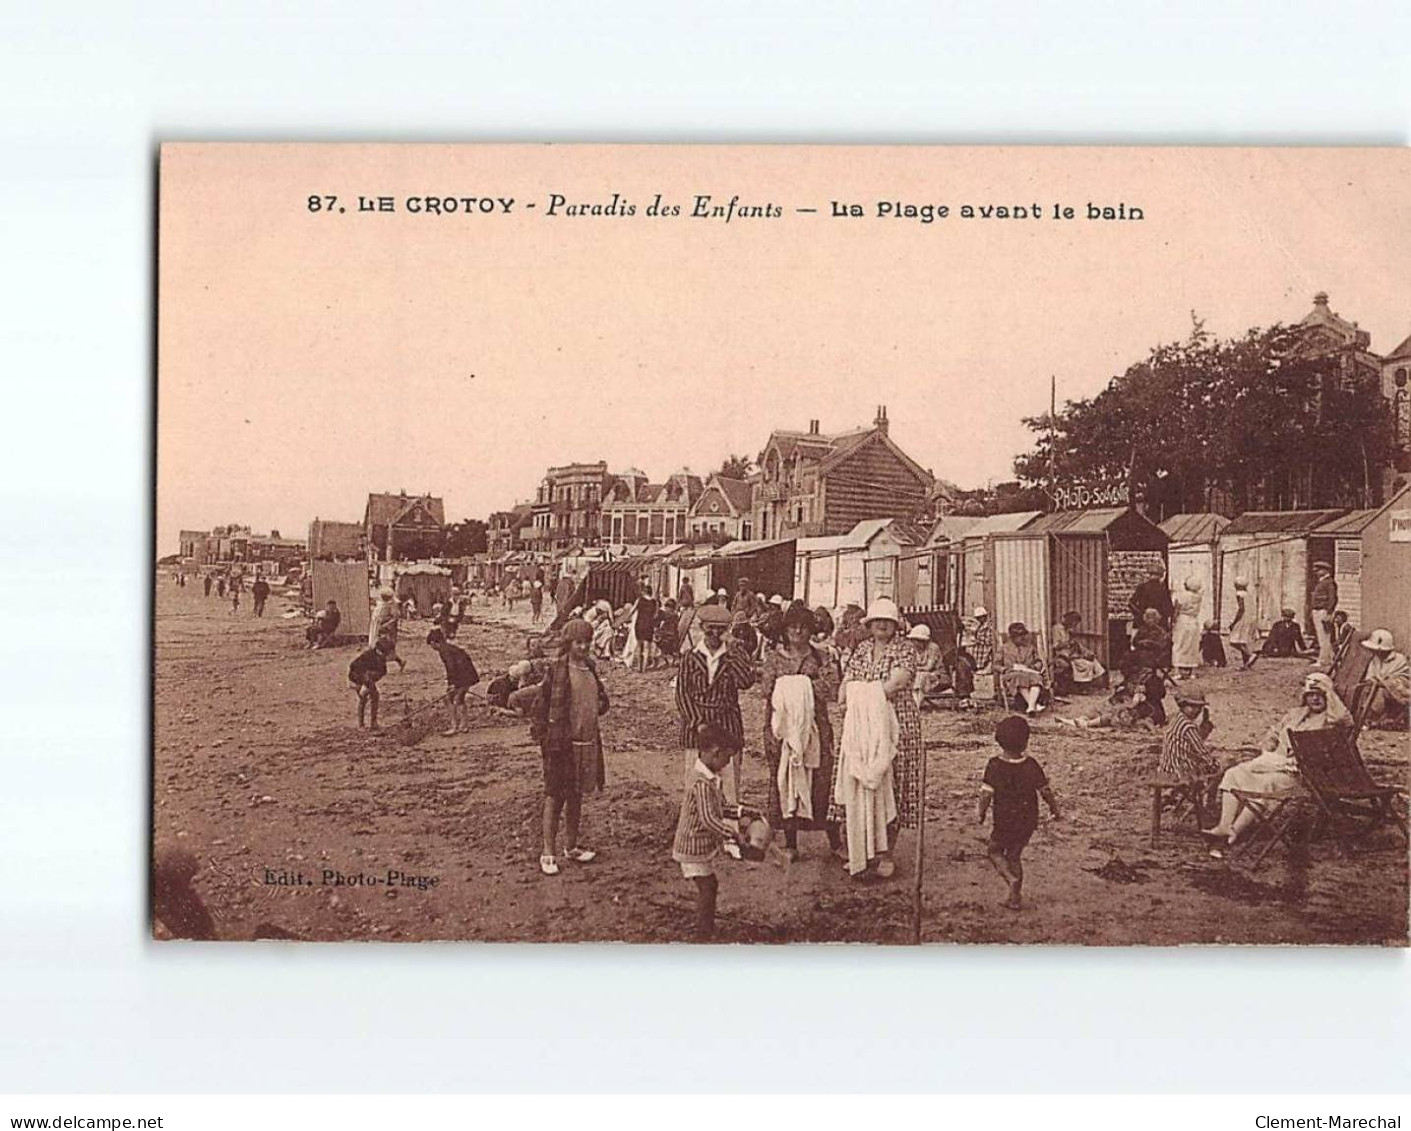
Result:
{"points": [[708, 687]]}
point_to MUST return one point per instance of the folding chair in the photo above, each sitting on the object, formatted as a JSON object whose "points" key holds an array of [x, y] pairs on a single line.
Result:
{"points": [[1275, 819], [1351, 804]]}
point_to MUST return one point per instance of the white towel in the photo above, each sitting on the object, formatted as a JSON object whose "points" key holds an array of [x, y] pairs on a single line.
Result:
{"points": [[796, 728], [869, 744]]}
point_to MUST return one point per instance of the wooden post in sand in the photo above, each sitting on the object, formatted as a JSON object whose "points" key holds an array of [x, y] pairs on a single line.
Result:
{"points": [[920, 862]]}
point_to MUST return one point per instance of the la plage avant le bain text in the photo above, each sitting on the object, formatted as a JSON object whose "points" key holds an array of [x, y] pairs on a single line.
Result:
{"points": [[722, 209]]}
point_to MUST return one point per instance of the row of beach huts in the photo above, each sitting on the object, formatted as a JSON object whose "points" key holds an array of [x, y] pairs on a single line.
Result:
{"points": [[1026, 566]]}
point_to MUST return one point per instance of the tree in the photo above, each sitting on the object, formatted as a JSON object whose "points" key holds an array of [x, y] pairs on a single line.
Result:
{"points": [[1256, 421], [736, 467], [466, 537]]}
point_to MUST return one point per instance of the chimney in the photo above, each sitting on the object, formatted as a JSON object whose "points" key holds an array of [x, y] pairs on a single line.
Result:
{"points": [[880, 423], [1320, 299], [813, 428]]}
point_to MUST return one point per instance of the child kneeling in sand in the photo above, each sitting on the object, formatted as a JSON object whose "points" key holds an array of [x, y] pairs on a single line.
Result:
{"points": [[701, 829], [1013, 784]]}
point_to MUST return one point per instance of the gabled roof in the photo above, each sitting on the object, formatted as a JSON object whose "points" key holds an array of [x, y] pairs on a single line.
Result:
{"points": [[738, 494], [861, 536], [951, 527], [738, 491], [386, 508], [1403, 350], [1001, 523], [1354, 522], [1093, 521], [1281, 522], [1190, 528], [853, 444]]}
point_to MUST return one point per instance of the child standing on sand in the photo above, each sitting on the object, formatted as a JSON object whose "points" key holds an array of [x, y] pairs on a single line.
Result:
{"points": [[701, 829], [1013, 784]]}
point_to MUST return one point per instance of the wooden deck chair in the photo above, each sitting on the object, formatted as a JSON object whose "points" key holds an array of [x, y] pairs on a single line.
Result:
{"points": [[1275, 819], [1351, 804]]}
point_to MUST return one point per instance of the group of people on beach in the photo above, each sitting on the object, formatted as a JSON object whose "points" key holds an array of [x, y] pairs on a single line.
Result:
{"points": [[232, 582], [859, 784]]}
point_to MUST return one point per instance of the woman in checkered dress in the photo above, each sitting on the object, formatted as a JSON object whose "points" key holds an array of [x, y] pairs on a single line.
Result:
{"points": [[876, 659]]}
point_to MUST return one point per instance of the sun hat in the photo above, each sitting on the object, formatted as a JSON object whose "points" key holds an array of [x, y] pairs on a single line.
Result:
{"points": [[919, 632], [1241, 583], [519, 669], [776, 600], [981, 611], [883, 608], [721, 593], [1190, 695], [1381, 640]]}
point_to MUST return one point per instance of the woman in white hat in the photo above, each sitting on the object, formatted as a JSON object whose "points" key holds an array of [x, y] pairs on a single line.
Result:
{"points": [[1275, 771], [887, 659], [1386, 686], [930, 665], [1244, 636]]}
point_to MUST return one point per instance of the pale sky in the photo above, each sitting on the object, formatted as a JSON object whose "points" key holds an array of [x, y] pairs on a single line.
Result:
{"points": [[306, 359]]}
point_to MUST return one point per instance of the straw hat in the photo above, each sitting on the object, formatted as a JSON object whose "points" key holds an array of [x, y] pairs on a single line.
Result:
{"points": [[776, 600], [919, 632], [883, 608], [981, 611], [1381, 640]]}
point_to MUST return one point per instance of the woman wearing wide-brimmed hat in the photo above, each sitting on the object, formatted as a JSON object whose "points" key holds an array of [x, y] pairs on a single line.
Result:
{"points": [[885, 657], [1386, 685]]}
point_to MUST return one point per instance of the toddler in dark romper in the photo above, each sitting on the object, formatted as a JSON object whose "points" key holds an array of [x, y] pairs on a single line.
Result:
{"points": [[1012, 785]]}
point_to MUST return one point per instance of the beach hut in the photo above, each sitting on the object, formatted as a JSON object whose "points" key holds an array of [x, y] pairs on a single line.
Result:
{"points": [[346, 583], [425, 583], [1270, 550], [1193, 551], [971, 561], [769, 565], [1340, 543], [868, 561], [1385, 574], [1083, 561]]}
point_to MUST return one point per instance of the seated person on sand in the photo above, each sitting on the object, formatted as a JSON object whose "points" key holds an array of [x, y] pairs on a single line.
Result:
{"points": [[515, 691], [1274, 771], [324, 629], [1285, 639], [1184, 754], [1075, 665], [1021, 669], [932, 676], [1385, 690]]}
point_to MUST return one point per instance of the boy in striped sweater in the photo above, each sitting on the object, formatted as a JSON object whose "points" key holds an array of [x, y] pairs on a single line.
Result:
{"points": [[702, 830]]}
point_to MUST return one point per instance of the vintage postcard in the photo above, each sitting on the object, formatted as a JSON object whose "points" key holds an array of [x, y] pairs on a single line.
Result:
{"points": [[782, 544]]}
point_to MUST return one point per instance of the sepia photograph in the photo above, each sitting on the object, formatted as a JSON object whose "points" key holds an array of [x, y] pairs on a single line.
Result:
{"points": [[781, 544]]}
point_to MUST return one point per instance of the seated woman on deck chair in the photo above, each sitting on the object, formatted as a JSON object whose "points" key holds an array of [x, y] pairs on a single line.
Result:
{"points": [[1274, 771]]}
